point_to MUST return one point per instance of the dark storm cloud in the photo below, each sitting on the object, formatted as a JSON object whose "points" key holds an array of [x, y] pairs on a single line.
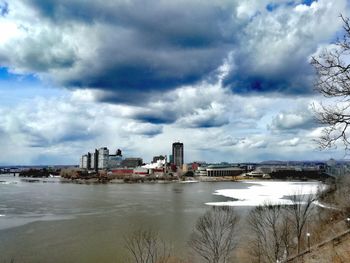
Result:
{"points": [[147, 46], [207, 123], [294, 82], [138, 73], [185, 119], [156, 116], [182, 23], [151, 133]]}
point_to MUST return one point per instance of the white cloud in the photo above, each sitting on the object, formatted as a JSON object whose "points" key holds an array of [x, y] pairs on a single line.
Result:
{"points": [[301, 118], [291, 142], [146, 129]]}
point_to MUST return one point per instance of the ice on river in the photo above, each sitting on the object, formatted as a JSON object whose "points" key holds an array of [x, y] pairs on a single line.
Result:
{"points": [[260, 192]]}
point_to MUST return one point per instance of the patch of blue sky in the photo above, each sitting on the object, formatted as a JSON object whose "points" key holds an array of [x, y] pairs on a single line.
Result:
{"points": [[272, 6], [5, 74], [4, 8], [308, 2], [15, 88]]}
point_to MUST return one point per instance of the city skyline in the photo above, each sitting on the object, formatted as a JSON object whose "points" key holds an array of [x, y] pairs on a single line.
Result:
{"points": [[229, 79]]}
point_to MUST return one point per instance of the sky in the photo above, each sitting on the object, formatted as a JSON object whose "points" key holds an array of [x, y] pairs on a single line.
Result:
{"points": [[231, 79]]}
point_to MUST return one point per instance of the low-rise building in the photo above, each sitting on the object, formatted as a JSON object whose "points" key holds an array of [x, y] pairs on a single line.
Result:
{"points": [[122, 172], [201, 171], [131, 162], [141, 171], [213, 171], [184, 168], [115, 161], [160, 157]]}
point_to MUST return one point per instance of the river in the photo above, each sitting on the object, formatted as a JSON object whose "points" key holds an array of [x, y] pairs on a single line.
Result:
{"points": [[50, 221]]}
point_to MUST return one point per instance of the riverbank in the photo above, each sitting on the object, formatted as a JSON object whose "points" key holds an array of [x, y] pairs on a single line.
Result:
{"points": [[173, 179]]}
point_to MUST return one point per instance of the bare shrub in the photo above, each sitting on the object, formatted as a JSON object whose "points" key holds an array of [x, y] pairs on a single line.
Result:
{"points": [[270, 226], [214, 237], [145, 246], [300, 212]]}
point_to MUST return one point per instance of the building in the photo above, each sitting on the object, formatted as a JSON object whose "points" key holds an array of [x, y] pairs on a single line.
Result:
{"points": [[88, 161], [115, 161], [141, 171], [156, 158], [178, 154], [157, 169], [218, 170], [201, 171], [131, 162], [84, 161], [122, 172], [119, 153], [81, 164], [184, 168], [103, 156], [92, 161]]}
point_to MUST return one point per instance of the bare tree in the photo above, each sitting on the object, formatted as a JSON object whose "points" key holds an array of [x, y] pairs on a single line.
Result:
{"points": [[342, 193], [333, 81], [300, 212], [271, 232], [214, 236], [145, 246]]}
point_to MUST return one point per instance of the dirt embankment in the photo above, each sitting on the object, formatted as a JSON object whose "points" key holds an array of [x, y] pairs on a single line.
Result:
{"points": [[335, 249]]}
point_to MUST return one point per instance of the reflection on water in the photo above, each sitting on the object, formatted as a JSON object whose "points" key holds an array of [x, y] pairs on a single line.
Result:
{"points": [[48, 221]]}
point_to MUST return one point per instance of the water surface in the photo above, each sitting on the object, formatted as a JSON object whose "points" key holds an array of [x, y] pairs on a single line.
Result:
{"points": [[49, 221]]}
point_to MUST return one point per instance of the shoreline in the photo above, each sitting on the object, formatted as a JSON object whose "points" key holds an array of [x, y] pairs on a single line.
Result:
{"points": [[145, 180], [157, 180]]}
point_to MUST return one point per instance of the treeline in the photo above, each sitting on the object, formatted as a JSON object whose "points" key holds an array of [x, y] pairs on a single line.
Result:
{"points": [[39, 173], [102, 176], [299, 175]]}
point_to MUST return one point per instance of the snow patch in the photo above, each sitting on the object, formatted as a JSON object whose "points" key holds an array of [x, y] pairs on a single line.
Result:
{"points": [[260, 192]]}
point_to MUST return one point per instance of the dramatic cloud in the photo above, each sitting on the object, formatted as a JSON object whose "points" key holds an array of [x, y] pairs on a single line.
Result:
{"points": [[213, 116], [204, 105], [230, 79], [276, 44], [122, 46], [131, 51]]}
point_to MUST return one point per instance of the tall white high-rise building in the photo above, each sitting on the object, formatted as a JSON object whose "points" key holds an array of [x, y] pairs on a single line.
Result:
{"points": [[84, 162], [103, 155]]}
